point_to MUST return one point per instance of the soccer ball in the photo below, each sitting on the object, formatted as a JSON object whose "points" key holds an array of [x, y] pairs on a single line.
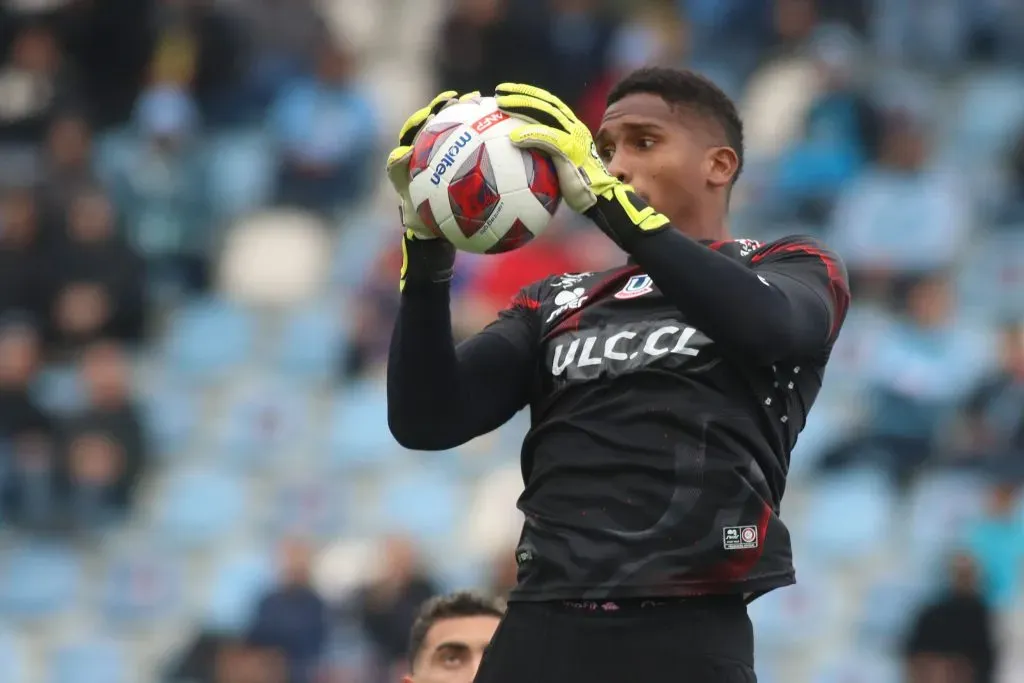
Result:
{"points": [[473, 187]]}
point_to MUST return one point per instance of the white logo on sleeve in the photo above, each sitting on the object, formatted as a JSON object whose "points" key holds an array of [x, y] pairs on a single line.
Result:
{"points": [[739, 537], [567, 300], [570, 280]]}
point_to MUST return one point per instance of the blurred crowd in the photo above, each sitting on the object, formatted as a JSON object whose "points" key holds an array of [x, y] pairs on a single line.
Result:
{"points": [[198, 267]]}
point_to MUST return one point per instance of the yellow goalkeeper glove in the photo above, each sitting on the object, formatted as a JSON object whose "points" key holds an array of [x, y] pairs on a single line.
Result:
{"points": [[424, 257], [586, 185]]}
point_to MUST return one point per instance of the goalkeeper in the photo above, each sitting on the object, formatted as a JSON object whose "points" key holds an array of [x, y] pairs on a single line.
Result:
{"points": [[665, 398]]}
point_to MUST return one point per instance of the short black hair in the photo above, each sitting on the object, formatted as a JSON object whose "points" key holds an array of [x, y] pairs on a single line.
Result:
{"points": [[684, 88], [450, 606]]}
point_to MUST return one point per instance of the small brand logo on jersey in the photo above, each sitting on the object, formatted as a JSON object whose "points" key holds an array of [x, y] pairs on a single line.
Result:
{"points": [[638, 285], [739, 537], [748, 247], [570, 280], [489, 120], [567, 300]]}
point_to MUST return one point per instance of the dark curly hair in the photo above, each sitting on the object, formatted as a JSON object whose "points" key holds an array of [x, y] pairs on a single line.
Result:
{"points": [[683, 88]]}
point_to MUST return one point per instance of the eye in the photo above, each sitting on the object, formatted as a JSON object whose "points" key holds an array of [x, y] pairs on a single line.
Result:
{"points": [[606, 153], [645, 143]]}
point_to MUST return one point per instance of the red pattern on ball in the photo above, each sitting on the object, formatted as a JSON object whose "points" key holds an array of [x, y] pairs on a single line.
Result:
{"points": [[472, 193], [517, 236], [427, 216], [543, 179], [427, 141]]}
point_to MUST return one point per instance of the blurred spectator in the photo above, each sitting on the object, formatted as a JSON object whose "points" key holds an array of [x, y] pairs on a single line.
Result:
{"points": [[161, 189], [106, 450], [23, 267], [952, 639], [293, 618], [243, 663], [923, 364], [387, 607], [993, 425], [1012, 210], [580, 40], [67, 162], [99, 281], [325, 128], [901, 216], [840, 133], [26, 434], [996, 543]]}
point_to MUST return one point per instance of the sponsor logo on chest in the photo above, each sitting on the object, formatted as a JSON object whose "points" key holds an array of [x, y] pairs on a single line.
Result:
{"points": [[621, 349]]}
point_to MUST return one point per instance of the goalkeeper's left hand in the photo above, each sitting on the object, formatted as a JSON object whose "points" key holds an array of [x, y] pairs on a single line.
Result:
{"points": [[586, 185]]}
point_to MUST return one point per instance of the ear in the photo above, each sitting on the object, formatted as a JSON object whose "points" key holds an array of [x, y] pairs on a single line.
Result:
{"points": [[722, 164]]}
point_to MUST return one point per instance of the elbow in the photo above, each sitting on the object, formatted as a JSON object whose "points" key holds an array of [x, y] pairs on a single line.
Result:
{"points": [[418, 434]]}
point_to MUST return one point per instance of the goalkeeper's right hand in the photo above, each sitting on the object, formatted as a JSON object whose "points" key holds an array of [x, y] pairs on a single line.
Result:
{"points": [[424, 257]]}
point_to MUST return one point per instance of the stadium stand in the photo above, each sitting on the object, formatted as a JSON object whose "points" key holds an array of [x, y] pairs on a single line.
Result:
{"points": [[161, 536]]}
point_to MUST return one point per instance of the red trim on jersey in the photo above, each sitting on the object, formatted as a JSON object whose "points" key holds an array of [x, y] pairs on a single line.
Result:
{"points": [[526, 302], [838, 288], [741, 562]]}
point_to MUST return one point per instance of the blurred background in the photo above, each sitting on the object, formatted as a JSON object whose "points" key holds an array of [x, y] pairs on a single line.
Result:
{"points": [[198, 274]]}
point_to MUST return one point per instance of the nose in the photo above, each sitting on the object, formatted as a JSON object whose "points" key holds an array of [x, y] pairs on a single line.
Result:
{"points": [[618, 169]]}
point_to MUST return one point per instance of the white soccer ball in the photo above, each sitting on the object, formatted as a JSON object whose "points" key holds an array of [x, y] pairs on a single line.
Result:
{"points": [[473, 187]]}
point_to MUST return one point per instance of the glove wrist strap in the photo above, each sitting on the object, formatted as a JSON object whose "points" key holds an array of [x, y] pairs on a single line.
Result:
{"points": [[428, 261], [625, 217]]}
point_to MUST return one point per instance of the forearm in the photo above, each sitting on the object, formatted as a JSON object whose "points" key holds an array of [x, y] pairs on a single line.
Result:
{"points": [[721, 296], [440, 396]]}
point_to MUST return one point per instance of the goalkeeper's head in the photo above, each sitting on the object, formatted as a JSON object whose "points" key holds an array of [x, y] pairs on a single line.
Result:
{"points": [[677, 138], [449, 637]]}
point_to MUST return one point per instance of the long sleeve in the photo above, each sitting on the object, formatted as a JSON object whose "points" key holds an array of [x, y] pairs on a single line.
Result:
{"points": [[440, 395], [790, 303]]}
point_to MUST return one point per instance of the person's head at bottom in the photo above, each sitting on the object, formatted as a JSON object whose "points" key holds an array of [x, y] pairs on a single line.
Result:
{"points": [[449, 637]]}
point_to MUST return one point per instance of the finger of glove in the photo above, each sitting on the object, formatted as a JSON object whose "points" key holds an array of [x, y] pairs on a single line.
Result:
{"points": [[539, 93], [397, 167], [545, 138], [470, 96], [415, 122], [534, 110]]}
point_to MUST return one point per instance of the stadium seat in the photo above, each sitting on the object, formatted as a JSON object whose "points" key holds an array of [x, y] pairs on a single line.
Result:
{"points": [[848, 368], [141, 586], [888, 606], [359, 436], [793, 617], [90, 661], [208, 340], [198, 507], [941, 507], [238, 583], [311, 344], [58, 389], [991, 110], [263, 423], [13, 657], [309, 506], [848, 515], [171, 417], [493, 522], [38, 580], [423, 504], [241, 169], [860, 667], [991, 281], [343, 567]]}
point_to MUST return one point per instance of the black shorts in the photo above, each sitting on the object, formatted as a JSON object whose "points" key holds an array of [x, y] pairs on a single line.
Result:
{"points": [[694, 640]]}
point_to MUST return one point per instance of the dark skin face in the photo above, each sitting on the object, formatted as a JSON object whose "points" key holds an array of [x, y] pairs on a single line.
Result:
{"points": [[676, 159]]}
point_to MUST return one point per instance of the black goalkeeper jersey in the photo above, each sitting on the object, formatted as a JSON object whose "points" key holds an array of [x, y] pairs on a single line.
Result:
{"points": [[663, 414]]}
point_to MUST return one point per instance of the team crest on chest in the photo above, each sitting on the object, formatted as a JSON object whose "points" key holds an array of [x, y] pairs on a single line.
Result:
{"points": [[638, 285]]}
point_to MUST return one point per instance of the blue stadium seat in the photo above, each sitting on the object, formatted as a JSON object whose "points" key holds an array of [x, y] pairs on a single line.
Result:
{"points": [[12, 654], [828, 424], [792, 617], [888, 606], [850, 363], [311, 343], [991, 110], [241, 168], [359, 435], [941, 507], [199, 507], [141, 586], [848, 515], [238, 584], [860, 667], [58, 389], [310, 506], [208, 340], [424, 504], [991, 281], [38, 580], [90, 661], [262, 424], [171, 418]]}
